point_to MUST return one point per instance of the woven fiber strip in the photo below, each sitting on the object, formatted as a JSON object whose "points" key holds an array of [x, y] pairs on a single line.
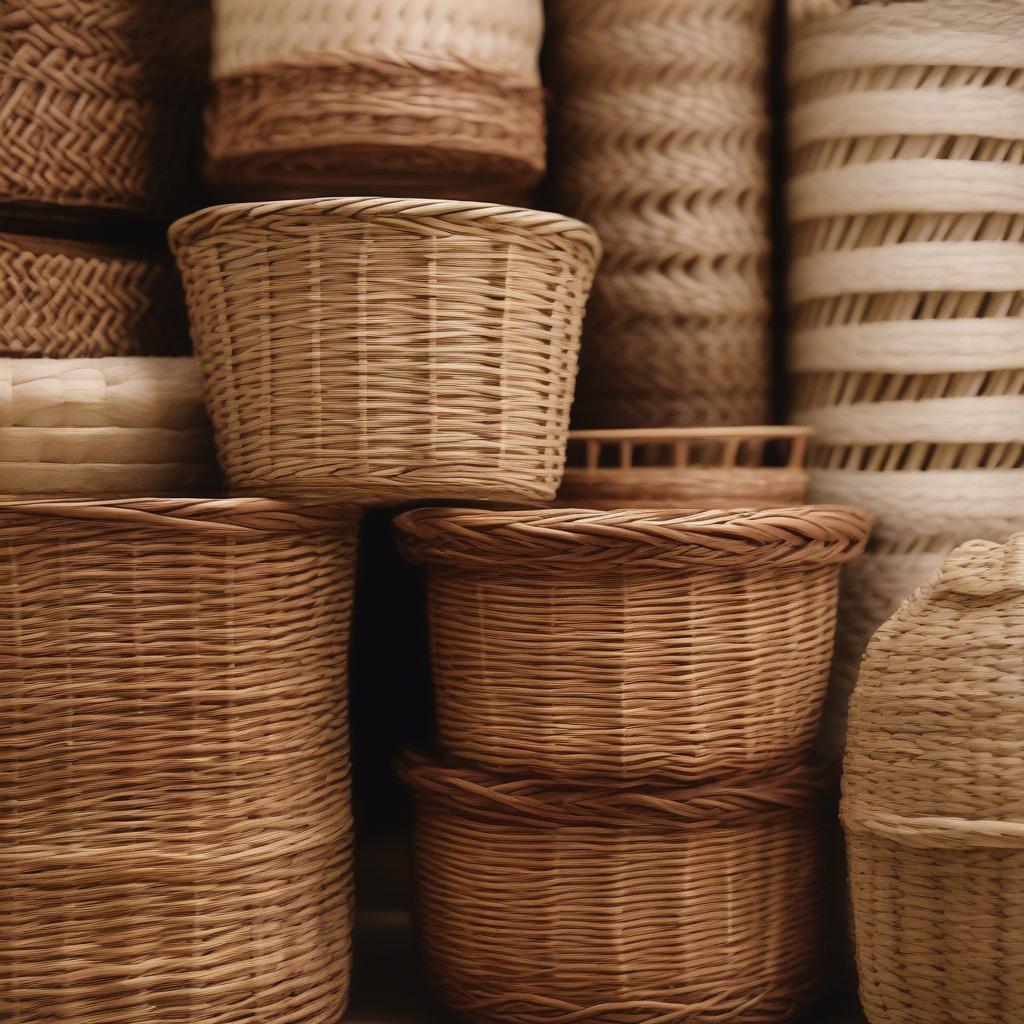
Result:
{"points": [[352, 96], [376, 349], [63, 298], [632, 644], [660, 134], [931, 797], [551, 905], [100, 105], [175, 832]]}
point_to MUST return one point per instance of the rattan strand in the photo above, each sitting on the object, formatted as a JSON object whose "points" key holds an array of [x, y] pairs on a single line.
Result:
{"points": [[631, 644], [376, 349], [175, 829], [549, 906], [931, 804], [660, 130]]}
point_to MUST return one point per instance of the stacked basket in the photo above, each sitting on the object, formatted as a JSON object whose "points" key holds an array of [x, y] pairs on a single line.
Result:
{"points": [[907, 209]]}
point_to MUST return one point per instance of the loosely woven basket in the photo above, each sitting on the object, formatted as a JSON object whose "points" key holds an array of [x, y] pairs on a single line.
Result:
{"points": [[130, 425], [631, 644], [932, 798], [68, 298], [749, 467], [381, 349], [100, 104], [409, 97], [660, 131], [175, 832], [616, 905]]}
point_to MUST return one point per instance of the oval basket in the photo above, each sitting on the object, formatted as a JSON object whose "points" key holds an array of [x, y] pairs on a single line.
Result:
{"points": [[175, 831], [748, 467], [101, 104], [631, 644], [549, 904], [936, 840], [413, 97], [388, 350]]}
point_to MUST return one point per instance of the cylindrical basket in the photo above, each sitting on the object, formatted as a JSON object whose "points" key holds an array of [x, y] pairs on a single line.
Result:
{"points": [[388, 350], [132, 425], [100, 104], [660, 140], [61, 298], [409, 97], [932, 798], [685, 467], [547, 904], [632, 644], [175, 831]]}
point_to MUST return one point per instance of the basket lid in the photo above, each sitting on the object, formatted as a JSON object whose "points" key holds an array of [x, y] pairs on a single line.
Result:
{"points": [[657, 538], [934, 743]]}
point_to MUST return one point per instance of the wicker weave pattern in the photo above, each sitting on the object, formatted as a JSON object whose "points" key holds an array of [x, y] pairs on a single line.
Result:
{"points": [[621, 645], [435, 344], [174, 821]]}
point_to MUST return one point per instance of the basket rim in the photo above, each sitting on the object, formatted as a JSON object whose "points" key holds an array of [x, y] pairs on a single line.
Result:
{"points": [[655, 434], [430, 213]]}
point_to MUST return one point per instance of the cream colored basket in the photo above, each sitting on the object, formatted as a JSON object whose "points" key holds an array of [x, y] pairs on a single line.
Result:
{"points": [[129, 426]]}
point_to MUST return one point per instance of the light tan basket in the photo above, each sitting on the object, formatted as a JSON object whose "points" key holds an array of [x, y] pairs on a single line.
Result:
{"points": [[932, 798], [660, 133], [748, 467], [104, 426], [410, 97]]}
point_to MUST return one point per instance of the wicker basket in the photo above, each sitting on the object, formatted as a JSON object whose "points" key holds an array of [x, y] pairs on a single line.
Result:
{"points": [[751, 467], [631, 644], [412, 97], [100, 104], [104, 426], [546, 904], [380, 349], [175, 829], [936, 839], [660, 132], [62, 298]]}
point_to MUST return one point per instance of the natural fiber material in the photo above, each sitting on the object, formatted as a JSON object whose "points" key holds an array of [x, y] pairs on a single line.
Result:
{"points": [[348, 96], [175, 829], [104, 426], [631, 644], [749, 467], [543, 904], [377, 349], [101, 104], [660, 131], [931, 805], [63, 298]]}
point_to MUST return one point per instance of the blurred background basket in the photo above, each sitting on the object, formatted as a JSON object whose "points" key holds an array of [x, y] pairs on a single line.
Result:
{"points": [[388, 350]]}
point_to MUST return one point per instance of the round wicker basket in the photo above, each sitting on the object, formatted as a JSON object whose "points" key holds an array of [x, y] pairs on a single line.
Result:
{"points": [[632, 644], [175, 832], [100, 103], [545, 904], [410, 97], [388, 350], [936, 839], [748, 467]]}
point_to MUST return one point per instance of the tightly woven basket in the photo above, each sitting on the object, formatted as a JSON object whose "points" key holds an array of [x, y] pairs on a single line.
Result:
{"points": [[932, 798], [382, 349], [412, 97], [710, 467], [61, 298], [175, 832], [632, 644], [546, 904], [660, 132], [104, 426], [100, 105]]}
